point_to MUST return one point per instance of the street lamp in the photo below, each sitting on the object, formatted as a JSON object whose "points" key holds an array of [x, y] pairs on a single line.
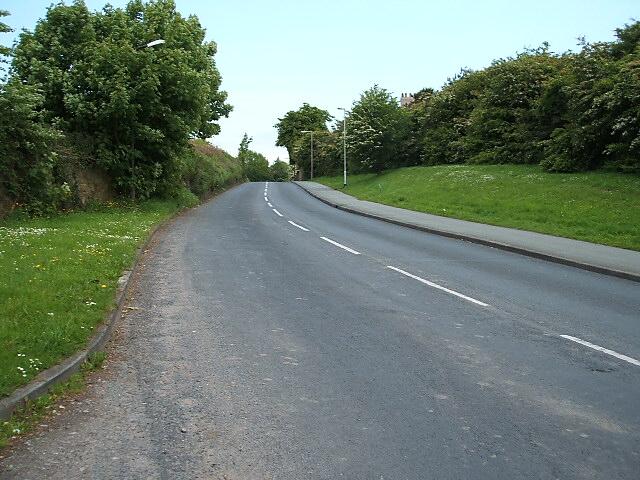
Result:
{"points": [[154, 43], [151, 44], [311, 132], [344, 142]]}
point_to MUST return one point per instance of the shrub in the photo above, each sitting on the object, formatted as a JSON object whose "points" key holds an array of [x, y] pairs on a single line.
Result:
{"points": [[280, 171], [257, 167], [27, 160], [205, 168]]}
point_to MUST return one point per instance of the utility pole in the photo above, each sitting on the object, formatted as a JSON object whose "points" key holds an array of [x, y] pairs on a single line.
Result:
{"points": [[344, 143], [311, 132]]}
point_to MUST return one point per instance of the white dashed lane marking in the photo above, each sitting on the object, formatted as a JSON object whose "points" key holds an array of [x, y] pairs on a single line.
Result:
{"points": [[630, 360], [577, 340], [439, 287], [350, 250], [299, 226]]}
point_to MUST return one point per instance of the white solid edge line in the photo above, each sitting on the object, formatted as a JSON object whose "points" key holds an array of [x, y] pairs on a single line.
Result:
{"points": [[299, 226], [439, 287], [269, 203], [277, 212], [351, 250], [633, 361]]}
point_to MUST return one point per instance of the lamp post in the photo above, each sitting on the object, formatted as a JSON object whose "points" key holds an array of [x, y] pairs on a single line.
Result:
{"points": [[344, 142], [151, 44], [154, 43], [311, 132]]}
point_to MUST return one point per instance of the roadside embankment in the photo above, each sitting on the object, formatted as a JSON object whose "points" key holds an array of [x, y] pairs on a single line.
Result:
{"points": [[598, 207]]}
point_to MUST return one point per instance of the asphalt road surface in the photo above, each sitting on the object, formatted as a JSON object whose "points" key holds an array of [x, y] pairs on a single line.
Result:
{"points": [[272, 336]]}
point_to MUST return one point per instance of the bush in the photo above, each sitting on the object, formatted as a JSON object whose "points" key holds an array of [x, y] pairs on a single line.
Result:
{"points": [[377, 131], [445, 119], [27, 160], [280, 171], [504, 126], [205, 168], [184, 197], [567, 112], [257, 167]]}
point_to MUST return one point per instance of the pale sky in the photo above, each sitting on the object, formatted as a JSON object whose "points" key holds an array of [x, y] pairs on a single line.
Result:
{"points": [[275, 55]]}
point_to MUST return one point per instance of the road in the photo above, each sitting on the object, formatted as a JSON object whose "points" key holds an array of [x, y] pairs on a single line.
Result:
{"points": [[272, 336]]}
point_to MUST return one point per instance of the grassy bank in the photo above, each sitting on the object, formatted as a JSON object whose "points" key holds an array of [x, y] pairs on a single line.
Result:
{"points": [[58, 277], [600, 207], [27, 417]]}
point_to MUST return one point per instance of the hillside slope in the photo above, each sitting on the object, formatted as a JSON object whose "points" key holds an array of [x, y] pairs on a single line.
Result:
{"points": [[600, 207]]}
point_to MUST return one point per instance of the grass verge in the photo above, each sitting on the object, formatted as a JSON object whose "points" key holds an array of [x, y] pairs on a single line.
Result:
{"points": [[58, 278], [28, 417], [600, 207]]}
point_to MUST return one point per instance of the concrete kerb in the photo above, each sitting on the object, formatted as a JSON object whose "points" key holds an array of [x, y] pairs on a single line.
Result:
{"points": [[61, 372], [482, 241]]}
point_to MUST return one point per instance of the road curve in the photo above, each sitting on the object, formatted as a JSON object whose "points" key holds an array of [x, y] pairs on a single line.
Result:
{"points": [[272, 336]]}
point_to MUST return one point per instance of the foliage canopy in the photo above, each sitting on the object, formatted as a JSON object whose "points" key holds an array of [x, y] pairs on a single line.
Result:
{"points": [[137, 106], [566, 112], [290, 126]]}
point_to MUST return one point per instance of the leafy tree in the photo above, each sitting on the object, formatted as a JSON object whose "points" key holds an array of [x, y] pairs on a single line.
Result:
{"points": [[324, 146], [254, 165], [445, 118], [280, 171], [27, 161], [46, 57], [328, 152], [257, 167], [598, 99], [416, 113], [628, 39], [4, 28], [377, 130], [503, 126], [622, 105], [289, 127], [567, 112], [138, 106], [243, 150]]}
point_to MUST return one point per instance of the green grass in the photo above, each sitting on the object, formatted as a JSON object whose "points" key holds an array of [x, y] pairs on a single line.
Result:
{"points": [[601, 207], [26, 418], [58, 278]]}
